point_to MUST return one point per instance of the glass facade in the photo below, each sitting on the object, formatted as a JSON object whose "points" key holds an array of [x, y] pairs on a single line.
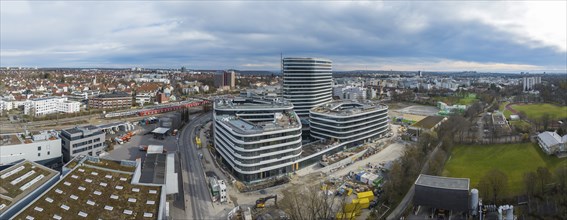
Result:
{"points": [[307, 82], [257, 140]]}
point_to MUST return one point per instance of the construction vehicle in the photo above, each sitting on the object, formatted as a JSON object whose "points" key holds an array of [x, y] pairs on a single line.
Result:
{"points": [[261, 202]]}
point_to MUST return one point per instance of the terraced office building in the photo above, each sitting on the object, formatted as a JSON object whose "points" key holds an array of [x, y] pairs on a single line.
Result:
{"points": [[307, 83], [257, 138], [348, 121]]}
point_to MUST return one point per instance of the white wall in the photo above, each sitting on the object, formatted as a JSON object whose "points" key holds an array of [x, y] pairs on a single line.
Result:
{"points": [[12, 153]]}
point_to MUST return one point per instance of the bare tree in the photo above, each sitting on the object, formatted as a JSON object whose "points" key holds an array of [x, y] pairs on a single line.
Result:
{"points": [[530, 182], [544, 177], [494, 183], [309, 203]]}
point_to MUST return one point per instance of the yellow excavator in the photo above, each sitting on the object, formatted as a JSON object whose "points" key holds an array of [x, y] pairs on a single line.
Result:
{"points": [[261, 202]]}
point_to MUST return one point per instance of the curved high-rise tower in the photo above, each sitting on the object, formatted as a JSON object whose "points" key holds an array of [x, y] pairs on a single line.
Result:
{"points": [[307, 83]]}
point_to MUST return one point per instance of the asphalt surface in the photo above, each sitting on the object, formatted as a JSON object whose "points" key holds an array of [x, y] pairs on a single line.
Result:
{"points": [[197, 197]]}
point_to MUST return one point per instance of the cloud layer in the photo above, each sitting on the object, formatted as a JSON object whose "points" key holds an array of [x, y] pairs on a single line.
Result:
{"points": [[482, 36]]}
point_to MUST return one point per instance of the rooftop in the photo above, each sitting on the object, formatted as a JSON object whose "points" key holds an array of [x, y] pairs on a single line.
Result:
{"points": [[14, 139], [429, 122], [153, 169], [443, 182], [251, 103], [345, 108], [91, 192], [286, 120], [114, 95], [19, 180], [75, 130], [551, 138]]}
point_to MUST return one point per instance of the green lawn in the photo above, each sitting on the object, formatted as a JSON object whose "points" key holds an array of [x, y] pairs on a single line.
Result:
{"points": [[536, 111], [467, 99], [473, 161], [502, 108]]}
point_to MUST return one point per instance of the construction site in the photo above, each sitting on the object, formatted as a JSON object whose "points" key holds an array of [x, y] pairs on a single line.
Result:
{"points": [[350, 182]]}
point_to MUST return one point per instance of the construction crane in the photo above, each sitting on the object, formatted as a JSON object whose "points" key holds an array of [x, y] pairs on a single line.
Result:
{"points": [[261, 202]]}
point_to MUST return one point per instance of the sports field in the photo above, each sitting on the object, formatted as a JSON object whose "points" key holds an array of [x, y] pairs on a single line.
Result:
{"points": [[473, 161], [536, 111], [467, 99]]}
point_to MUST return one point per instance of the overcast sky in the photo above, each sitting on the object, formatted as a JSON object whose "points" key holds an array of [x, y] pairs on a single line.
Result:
{"points": [[419, 35]]}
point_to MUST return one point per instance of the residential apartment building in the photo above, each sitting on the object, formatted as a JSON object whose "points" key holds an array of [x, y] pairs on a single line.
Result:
{"points": [[87, 140], [111, 100], [257, 138], [307, 83], [529, 82], [50, 105], [225, 79], [41, 147]]}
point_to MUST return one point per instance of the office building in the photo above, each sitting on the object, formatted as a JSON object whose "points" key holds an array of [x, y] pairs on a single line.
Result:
{"points": [[111, 100], [307, 83], [50, 105], [87, 140], [40, 147], [349, 121], [225, 79], [257, 138]]}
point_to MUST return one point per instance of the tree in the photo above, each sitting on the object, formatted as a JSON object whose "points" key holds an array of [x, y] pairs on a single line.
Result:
{"points": [[309, 203], [544, 177], [546, 120], [530, 182], [561, 175], [493, 184]]}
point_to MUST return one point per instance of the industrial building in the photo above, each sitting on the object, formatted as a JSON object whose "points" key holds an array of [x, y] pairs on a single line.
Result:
{"points": [[40, 147], [257, 138], [111, 101], [442, 193], [307, 83], [87, 140], [95, 188], [21, 183]]}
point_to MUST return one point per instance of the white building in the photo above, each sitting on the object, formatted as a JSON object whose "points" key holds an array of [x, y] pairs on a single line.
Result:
{"points": [[350, 92], [307, 83], [5, 106], [530, 82], [552, 143], [50, 105], [257, 138], [347, 121], [43, 148]]}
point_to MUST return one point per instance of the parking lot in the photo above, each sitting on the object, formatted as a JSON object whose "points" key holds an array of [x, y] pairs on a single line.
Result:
{"points": [[130, 150]]}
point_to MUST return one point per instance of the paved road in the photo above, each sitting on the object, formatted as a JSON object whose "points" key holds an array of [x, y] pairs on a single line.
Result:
{"points": [[197, 197]]}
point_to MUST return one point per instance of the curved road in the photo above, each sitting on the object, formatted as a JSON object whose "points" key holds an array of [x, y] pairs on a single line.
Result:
{"points": [[198, 200]]}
